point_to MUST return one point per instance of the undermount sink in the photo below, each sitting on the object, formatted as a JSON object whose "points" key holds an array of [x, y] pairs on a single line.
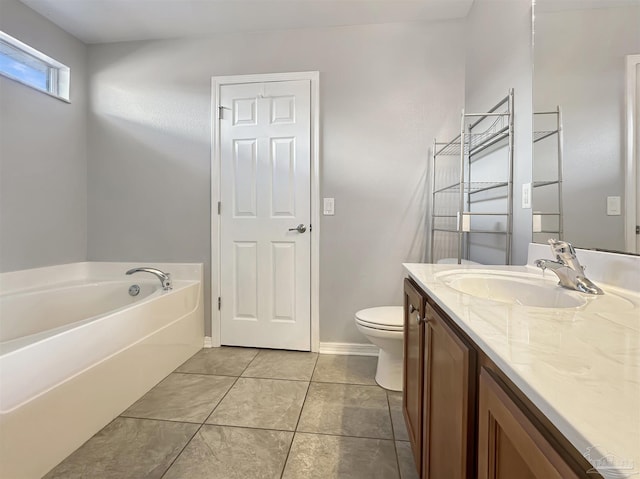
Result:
{"points": [[522, 289]]}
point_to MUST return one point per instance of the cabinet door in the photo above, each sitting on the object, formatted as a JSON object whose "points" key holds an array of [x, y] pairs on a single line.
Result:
{"points": [[449, 405], [413, 363], [509, 445]]}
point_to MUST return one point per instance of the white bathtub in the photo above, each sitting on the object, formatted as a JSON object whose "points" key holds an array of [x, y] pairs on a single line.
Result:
{"points": [[53, 309], [76, 350]]}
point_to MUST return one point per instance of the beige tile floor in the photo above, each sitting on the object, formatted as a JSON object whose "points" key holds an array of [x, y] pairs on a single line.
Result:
{"points": [[251, 414]]}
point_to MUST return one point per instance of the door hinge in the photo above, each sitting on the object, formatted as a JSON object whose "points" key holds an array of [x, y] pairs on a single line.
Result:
{"points": [[219, 303], [638, 229], [219, 207], [221, 111], [310, 228]]}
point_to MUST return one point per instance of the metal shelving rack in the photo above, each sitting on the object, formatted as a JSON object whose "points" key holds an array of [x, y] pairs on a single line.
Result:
{"points": [[488, 132], [539, 136]]}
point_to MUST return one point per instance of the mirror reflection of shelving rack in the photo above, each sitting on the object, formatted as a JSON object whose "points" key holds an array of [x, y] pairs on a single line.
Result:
{"points": [[547, 176], [470, 199]]}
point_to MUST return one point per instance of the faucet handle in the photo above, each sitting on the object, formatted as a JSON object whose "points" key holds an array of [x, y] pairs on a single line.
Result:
{"points": [[563, 251], [566, 253], [561, 247]]}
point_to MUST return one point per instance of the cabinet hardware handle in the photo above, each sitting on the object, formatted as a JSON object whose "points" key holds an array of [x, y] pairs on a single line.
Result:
{"points": [[412, 309], [418, 319]]}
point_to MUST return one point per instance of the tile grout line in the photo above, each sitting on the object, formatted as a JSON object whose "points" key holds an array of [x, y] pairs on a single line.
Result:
{"points": [[253, 428], [85, 442], [350, 384], [220, 402], [232, 386], [277, 379], [345, 435], [249, 377], [281, 378], [393, 435], [295, 430], [251, 362], [122, 415], [205, 420], [205, 374], [175, 421], [181, 451], [218, 374], [198, 430]]}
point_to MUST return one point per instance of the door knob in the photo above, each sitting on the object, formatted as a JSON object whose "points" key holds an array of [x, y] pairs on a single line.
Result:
{"points": [[300, 228]]}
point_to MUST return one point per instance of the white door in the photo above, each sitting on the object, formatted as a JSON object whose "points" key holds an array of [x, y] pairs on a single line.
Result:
{"points": [[632, 154], [265, 159], [636, 124]]}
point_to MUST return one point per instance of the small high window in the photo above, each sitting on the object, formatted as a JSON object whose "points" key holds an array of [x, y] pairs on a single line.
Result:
{"points": [[30, 67]]}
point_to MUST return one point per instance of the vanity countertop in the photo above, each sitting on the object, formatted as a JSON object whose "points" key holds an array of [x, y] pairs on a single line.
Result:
{"points": [[579, 366]]}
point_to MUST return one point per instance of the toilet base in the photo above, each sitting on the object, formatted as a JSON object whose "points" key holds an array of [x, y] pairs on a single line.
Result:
{"points": [[389, 371]]}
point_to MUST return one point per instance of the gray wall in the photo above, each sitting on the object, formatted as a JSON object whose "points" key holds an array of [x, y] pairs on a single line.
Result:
{"points": [[43, 190], [386, 91], [498, 57], [584, 73]]}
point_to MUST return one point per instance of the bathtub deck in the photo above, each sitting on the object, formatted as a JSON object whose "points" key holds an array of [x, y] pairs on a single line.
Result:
{"points": [[246, 413]]}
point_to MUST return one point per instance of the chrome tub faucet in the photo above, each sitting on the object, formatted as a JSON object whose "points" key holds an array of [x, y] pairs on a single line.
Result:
{"points": [[567, 268], [165, 278]]}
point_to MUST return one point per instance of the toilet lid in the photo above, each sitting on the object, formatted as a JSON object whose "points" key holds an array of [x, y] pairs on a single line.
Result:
{"points": [[384, 317]]}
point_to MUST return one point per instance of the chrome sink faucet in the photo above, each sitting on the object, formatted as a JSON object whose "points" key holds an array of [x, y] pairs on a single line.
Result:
{"points": [[165, 278], [567, 268]]}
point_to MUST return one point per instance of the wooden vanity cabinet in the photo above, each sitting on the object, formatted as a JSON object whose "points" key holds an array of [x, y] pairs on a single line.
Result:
{"points": [[509, 445], [449, 402], [465, 418], [439, 391], [413, 376]]}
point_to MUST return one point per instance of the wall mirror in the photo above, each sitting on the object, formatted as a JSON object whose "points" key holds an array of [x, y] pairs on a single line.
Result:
{"points": [[581, 50]]}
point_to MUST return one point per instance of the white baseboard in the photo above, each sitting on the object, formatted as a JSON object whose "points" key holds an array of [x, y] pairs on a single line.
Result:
{"points": [[350, 349], [347, 349]]}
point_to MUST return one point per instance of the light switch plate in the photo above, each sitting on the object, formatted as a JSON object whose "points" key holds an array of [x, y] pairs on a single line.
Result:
{"points": [[613, 206], [329, 206], [526, 195]]}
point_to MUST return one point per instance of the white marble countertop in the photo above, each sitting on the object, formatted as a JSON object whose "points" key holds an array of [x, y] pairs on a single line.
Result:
{"points": [[579, 366]]}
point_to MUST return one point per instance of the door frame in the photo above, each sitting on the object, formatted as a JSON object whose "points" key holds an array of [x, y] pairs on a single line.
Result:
{"points": [[216, 83], [631, 161]]}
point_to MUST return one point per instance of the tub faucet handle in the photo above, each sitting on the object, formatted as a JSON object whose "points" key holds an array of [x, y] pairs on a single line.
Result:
{"points": [[165, 278]]}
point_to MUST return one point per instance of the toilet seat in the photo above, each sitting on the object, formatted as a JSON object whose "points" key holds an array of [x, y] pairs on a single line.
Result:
{"points": [[384, 318], [379, 327]]}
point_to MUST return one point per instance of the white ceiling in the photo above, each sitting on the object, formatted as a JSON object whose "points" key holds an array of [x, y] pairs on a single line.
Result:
{"points": [[101, 21]]}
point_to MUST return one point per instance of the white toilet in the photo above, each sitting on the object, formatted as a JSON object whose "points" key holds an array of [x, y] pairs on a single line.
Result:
{"points": [[383, 326]]}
